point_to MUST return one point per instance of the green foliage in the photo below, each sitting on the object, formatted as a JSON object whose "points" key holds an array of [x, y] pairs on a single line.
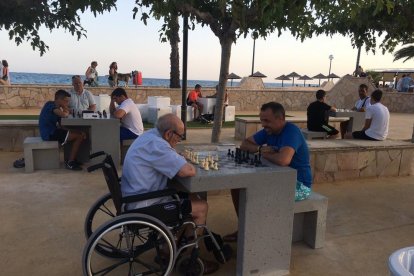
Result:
{"points": [[23, 18], [405, 53]]}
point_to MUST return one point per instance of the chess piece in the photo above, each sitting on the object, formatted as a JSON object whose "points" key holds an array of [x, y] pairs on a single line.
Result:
{"points": [[215, 166], [229, 153], [104, 114], [232, 154], [206, 166], [100, 114], [73, 113], [211, 164]]}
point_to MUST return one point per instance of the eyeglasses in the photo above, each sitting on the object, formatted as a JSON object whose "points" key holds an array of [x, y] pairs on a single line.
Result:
{"points": [[179, 135]]}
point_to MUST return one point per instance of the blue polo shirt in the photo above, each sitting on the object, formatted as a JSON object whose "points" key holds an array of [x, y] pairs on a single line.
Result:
{"points": [[48, 120], [290, 136]]}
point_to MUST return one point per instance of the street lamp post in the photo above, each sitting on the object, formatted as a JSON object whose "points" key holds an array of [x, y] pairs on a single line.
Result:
{"points": [[330, 64], [254, 49]]}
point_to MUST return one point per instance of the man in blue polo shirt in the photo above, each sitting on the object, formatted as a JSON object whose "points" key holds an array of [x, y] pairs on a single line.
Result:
{"points": [[281, 143]]}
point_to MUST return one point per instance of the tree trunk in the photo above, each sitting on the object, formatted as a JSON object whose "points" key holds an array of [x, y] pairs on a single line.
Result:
{"points": [[226, 43], [174, 38]]}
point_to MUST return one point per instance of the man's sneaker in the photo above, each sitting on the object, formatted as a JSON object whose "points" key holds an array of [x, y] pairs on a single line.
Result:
{"points": [[71, 165]]}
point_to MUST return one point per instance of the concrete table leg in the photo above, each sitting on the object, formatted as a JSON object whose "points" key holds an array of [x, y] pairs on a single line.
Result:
{"points": [[264, 243]]}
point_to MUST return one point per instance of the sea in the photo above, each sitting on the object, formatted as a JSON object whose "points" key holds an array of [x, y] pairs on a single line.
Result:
{"points": [[58, 79]]}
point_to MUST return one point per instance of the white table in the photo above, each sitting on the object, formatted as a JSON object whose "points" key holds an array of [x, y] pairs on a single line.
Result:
{"points": [[208, 105], [266, 211], [356, 119]]}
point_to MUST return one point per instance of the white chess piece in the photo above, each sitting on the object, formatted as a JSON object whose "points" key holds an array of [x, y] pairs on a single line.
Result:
{"points": [[206, 167], [215, 166], [211, 164]]}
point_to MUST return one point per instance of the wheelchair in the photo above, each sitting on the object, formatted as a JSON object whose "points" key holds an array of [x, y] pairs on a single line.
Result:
{"points": [[144, 241]]}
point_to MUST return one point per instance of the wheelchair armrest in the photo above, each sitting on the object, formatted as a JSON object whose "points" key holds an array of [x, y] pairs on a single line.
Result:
{"points": [[95, 167], [150, 195], [96, 154]]}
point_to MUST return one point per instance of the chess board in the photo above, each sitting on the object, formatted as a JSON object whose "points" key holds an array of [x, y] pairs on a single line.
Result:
{"points": [[225, 162]]}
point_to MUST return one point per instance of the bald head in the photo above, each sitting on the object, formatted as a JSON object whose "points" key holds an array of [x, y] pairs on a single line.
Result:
{"points": [[168, 121]]}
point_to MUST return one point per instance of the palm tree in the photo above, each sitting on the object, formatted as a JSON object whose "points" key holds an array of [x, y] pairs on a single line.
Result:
{"points": [[406, 52]]}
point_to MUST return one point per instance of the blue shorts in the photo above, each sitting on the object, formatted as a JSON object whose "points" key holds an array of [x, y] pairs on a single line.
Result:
{"points": [[126, 134]]}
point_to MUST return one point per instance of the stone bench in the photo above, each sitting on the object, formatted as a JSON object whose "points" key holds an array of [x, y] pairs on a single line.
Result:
{"points": [[247, 126], [13, 133], [309, 135], [338, 159], [40, 155], [309, 223]]}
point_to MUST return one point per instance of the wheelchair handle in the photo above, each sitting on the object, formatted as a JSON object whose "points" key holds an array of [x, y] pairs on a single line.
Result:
{"points": [[96, 154]]}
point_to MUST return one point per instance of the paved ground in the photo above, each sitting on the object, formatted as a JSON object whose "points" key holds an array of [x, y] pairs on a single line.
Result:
{"points": [[42, 215]]}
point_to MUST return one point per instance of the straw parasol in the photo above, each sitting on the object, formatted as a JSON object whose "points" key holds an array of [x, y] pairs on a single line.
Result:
{"points": [[319, 76], [258, 75], [282, 78], [293, 75], [305, 78], [232, 77], [332, 76]]}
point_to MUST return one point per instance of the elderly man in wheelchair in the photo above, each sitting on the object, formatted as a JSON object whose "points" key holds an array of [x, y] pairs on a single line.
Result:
{"points": [[152, 228]]}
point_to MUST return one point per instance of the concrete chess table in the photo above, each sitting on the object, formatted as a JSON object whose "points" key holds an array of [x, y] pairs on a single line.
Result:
{"points": [[266, 210], [356, 119], [103, 136]]}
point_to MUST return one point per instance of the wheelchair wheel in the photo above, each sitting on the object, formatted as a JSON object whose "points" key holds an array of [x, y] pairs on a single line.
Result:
{"points": [[138, 244], [186, 267], [100, 212]]}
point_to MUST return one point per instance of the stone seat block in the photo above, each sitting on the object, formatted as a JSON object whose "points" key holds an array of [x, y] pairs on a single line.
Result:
{"points": [[40, 155], [309, 223], [309, 135]]}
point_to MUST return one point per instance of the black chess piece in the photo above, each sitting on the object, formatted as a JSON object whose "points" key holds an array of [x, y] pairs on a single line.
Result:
{"points": [[259, 160], [73, 113], [229, 153], [256, 162], [232, 154], [104, 114], [100, 114]]}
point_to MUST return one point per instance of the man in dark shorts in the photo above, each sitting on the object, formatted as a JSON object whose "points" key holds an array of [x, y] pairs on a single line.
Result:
{"points": [[318, 116], [51, 130]]}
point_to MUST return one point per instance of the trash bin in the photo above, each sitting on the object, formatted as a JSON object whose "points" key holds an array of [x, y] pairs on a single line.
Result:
{"points": [[401, 262]]}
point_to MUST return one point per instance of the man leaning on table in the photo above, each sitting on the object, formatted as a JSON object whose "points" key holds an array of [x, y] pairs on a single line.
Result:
{"points": [[80, 98], [377, 119], [281, 143], [360, 106], [128, 112]]}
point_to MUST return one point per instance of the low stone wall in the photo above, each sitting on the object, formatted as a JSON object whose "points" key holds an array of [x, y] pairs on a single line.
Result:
{"points": [[342, 95], [335, 160]]}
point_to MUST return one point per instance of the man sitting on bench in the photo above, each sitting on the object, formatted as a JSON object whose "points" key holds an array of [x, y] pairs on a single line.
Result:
{"points": [[51, 130], [318, 117], [281, 143]]}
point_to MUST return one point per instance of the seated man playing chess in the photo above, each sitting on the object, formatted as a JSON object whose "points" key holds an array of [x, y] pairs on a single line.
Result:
{"points": [[281, 143], [151, 160]]}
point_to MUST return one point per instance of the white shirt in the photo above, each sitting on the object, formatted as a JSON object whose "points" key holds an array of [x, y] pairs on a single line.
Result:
{"points": [[360, 103], [132, 119], [81, 102], [149, 163], [380, 119]]}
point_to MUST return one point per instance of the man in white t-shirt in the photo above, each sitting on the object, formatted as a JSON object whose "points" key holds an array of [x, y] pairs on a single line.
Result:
{"points": [[360, 106], [377, 119], [127, 111]]}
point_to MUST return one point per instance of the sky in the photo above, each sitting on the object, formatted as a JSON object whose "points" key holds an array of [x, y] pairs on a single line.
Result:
{"points": [[115, 36]]}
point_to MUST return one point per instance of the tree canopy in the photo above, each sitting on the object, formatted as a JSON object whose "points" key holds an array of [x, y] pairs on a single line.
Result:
{"points": [[23, 18]]}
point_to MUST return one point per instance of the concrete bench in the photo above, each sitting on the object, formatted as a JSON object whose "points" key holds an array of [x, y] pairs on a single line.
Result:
{"points": [[125, 144], [309, 223], [247, 126], [40, 155], [309, 135]]}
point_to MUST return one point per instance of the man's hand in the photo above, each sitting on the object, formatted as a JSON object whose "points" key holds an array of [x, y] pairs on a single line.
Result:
{"points": [[267, 149]]}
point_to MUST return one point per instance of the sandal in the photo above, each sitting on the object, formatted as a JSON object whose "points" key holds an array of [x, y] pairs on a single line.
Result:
{"points": [[19, 163]]}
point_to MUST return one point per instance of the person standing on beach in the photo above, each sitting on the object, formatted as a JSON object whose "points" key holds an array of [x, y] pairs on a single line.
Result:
{"points": [[377, 118], [91, 75], [318, 117], [51, 130], [5, 76], [113, 74], [81, 99], [192, 100]]}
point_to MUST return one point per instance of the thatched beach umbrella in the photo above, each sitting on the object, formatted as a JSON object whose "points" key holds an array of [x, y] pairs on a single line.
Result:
{"points": [[282, 78], [293, 75], [258, 75], [232, 77], [305, 78], [332, 76], [319, 76]]}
